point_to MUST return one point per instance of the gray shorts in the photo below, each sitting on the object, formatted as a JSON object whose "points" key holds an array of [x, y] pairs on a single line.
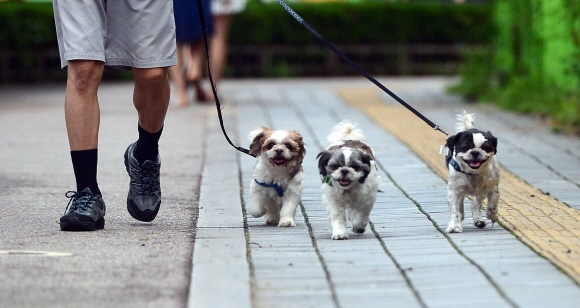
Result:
{"points": [[121, 33]]}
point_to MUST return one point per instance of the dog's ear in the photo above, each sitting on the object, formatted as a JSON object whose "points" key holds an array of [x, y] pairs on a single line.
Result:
{"points": [[323, 158], [298, 138], [366, 168], [257, 139], [493, 140], [450, 144]]}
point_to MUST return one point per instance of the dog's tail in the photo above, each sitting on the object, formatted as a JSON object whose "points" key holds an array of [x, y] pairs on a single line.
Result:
{"points": [[346, 130], [466, 121]]}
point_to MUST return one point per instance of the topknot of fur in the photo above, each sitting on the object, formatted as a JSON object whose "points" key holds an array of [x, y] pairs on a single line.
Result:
{"points": [[465, 121], [346, 130]]}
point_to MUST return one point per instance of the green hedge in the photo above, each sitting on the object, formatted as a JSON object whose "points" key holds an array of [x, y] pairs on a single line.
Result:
{"points": [[27, 29], [31, 25], [26, 26], [364, 22]]}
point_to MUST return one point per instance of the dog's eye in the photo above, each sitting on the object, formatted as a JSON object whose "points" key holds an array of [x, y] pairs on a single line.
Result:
{"points": [[333, 166], [270, 145], [356, 168], [486, 147], [462, 149], [289, 146]]}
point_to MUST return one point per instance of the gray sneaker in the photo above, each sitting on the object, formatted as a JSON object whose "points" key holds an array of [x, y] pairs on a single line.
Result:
{"points": [[144, 198], [85, 212]]}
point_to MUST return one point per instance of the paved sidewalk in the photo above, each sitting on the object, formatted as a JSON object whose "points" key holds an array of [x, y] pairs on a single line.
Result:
{"points": [[203, 251], [405, 259]]}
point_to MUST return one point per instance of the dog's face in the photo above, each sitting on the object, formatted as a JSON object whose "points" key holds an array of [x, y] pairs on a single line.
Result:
{"points": [[345, 166], [278, 147], [472, 148]]}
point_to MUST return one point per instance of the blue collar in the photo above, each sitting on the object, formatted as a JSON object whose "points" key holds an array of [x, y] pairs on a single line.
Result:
{"points": [[278, 188], [455, 166]]}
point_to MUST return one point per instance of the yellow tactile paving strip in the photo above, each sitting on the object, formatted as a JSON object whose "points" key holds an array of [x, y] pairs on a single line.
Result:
{"points": [[548, 226]]}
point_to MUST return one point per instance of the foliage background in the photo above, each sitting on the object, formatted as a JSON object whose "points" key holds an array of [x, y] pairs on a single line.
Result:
{"points": [[28, 40], [533, 63]]}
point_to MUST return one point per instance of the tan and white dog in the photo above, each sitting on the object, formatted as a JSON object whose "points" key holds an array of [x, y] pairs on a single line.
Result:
{"points": [[276, 189]]}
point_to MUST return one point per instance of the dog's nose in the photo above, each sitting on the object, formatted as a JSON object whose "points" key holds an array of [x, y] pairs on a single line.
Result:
{"points": [[279, 151], [344, 172], [474, 154]]}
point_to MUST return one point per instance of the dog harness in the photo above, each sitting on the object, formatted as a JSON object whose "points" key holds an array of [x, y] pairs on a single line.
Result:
{"points": [[455, 166], [275, 185]]}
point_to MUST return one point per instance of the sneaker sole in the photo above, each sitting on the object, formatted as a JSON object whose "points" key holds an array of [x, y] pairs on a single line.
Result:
{"points": [[74, 224], [145, 216]]}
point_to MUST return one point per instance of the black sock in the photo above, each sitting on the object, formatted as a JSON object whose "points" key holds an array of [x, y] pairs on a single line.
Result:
{"points": [[147, 147], [85, 167]]}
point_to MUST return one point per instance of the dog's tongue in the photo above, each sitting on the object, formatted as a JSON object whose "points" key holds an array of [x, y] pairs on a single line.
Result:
{"points": [[474, 164], [279, 160], [344, 182]]}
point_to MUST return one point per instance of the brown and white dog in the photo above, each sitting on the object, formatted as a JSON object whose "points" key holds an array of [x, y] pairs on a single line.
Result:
{"points": [[276, 189], [473, 171]]}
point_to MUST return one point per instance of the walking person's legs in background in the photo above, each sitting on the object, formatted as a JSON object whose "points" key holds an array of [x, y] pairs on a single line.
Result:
{"points": [[177, 74], [219, 47]]}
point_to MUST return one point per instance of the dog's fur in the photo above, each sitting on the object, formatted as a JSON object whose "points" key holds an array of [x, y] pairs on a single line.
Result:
{"points": [[279, 163], [350, 179], [478, 175]]}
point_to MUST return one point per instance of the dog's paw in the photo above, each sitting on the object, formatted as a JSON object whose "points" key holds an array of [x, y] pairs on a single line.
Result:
{"points": [[480, 224], [272, 220], [358, 230], [287, 223], [491, 215], [340, 236], [453, 228]]}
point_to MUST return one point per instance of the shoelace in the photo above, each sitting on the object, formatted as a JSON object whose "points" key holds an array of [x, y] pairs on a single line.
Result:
{"points": [[147, 184], [78, 200]]}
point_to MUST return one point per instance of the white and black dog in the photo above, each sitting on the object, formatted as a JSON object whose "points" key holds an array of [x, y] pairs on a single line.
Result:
{"points": [[350, 179], [473, 171]]}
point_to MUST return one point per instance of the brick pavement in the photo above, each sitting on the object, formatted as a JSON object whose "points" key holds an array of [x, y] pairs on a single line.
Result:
{"points": [[203, 250], [404, 259]]}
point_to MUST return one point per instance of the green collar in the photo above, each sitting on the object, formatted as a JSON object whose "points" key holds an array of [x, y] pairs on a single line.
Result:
{"points": [[327, 180]]}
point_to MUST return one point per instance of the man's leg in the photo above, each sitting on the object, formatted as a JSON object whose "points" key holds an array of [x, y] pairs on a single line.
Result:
{"points": [[82, 105], [151, 99], [86, 210]]}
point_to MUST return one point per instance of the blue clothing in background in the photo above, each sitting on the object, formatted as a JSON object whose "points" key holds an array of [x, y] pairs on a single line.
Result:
{"points": [[187, 24]]}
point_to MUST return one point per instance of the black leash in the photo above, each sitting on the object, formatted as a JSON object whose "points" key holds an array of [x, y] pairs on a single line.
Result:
{"points": [[358, 68], [213, 87], [329, 45]]}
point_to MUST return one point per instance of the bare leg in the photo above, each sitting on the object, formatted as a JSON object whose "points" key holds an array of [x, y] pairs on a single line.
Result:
{"points": [[219, 46], [82, 111], [176, 73], [194, 73], [151, 97]]}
